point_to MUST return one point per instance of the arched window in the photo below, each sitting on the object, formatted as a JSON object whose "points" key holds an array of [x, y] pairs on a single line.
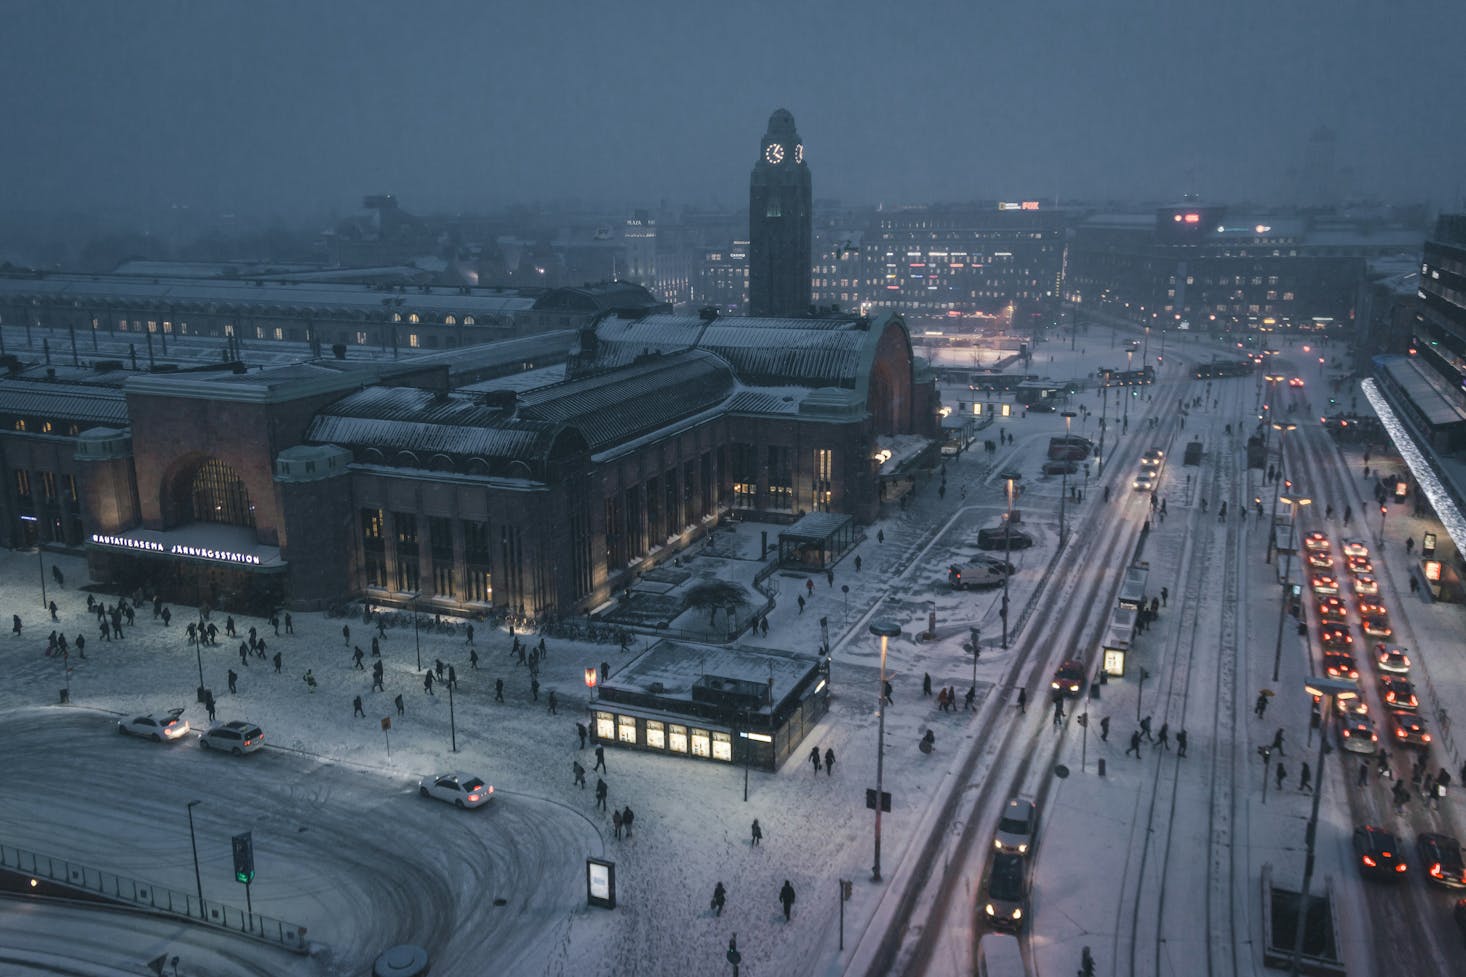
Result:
{"points": [[468, 320], [219, 496]]}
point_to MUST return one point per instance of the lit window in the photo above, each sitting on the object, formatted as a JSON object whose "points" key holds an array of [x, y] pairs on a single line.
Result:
{"points": [[468, 320], [450, 320], [722, 747], [20, 425], [656, 735], [412, 318], [605, 726], [676, 738], [626, 729], [412, 340], [701, 743]]}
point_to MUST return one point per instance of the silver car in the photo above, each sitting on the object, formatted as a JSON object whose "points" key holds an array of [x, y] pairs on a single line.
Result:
{"points": [[1005, 897], [1017, 827], [165, 728], [458, 789], [235, 737]]}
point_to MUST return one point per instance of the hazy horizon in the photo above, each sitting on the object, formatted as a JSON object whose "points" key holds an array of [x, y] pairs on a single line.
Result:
{"points": [[278, 111]]}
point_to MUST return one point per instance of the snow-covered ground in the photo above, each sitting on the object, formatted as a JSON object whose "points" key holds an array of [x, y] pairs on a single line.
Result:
{"points": [[1140, 865]]}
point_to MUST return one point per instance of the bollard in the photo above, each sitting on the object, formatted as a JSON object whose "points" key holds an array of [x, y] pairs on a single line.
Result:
{"points": [[1101, 766]]}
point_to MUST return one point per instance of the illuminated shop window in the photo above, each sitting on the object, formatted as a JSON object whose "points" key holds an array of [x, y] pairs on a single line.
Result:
{"points": [[626, 729], [722, 747], [605, 726], [701, 744], [656, 735], [677, 738]]}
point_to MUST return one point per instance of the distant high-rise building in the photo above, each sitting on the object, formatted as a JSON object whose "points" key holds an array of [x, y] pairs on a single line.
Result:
{"points": [[779, 223]]}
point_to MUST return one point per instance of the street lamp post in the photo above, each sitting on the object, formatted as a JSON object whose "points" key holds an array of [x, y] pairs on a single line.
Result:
{"points": [[40, 559], [1383, 511], [1282, 429], [1295, 500], [452, 722], [416, 639], [1068, 416], [1328, 689], [1129, 367], [1145, 354], [976, 650], [1104, 410], [199, 656], [885, 630], [1008, 476], [193, 840], [1269, 409]]}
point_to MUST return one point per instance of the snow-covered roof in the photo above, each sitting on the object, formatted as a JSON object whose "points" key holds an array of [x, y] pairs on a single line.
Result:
{"points": [[63, 402], [669, 670]]}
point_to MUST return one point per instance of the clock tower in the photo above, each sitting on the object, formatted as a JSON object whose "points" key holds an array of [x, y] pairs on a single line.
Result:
{"points": [[779, 223]]}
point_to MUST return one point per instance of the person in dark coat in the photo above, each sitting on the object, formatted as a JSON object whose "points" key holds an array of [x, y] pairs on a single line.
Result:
{"points": [[720, 896], [814, 759], [498, 690], [758, 832], [377, 685], [15, 624], [830, 762], [579, 772], [1134, 746], [1023, 701], [233, 678], [357, 710], [398, 703], [345, 634], [1181, 743], [580, 729], [276, 660], [427, 682], [601, 790], [600, 760], [786, 899], [628, 817]]}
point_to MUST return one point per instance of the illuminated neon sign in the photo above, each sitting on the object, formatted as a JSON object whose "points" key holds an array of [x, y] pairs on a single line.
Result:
{"points": [[175, 549]]}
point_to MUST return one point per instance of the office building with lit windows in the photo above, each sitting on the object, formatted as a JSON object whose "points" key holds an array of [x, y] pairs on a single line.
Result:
{"points": [[1213, 268]]}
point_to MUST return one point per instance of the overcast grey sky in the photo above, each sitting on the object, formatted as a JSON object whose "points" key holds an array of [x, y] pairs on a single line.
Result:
{"points": [[285, 106]]}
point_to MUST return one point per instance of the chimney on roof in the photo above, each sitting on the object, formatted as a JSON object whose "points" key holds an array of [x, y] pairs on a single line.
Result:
{"points": [[707, 313]]}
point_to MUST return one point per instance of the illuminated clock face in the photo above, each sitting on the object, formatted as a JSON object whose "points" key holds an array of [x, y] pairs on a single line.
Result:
{"points": [[799, 152], [774, 153]]}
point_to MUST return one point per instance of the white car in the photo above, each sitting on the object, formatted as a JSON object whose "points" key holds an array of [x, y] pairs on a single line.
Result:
{"points": [[1144, 482], [167, 727], [1017, 826], [458, 789]]}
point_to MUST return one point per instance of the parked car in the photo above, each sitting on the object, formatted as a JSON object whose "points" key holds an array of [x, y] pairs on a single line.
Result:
{"points": [[235, 737], [1017, 826], [165, 728], [1006, 893], [1379, 853], [458, 789], [1440, 856]]}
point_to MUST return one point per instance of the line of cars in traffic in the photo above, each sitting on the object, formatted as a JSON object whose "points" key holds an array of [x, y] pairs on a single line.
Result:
{"points": [[1378, 851], [1149, 475], [1005, 889], [236, 737]]}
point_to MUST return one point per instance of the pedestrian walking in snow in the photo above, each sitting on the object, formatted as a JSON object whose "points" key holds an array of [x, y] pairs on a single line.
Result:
{"points": [[1363, 774], [967, 699], [473, 659], [758, 833], [926, 683], [830, 577], [310, 680], [1401, 795], [786, 899], [498, 690], [534, 688], [800, 600], [1145, 729], [814, 759], [377, 677], [233, 678], [880, 535], [1104, 729], [357, 656], [15, 624], [376, 647], [1305, 778], [887, 690], [580, 729], [1163, 738], [1181, 743], [628, 818], [1278, 742], [1023, 701], [601, 790], [345, 634], [427, 683], [453, 682], [276, 660], [601, 760], [554, 708], [438, 668], [1427, 789], [1280, 773], [579, 772], [289, 623], [830, 762], [356, 708], [1165, 596], [167, 617], [809, 586], [401, 706], [616, 822], [857, 564], [720, 896], [1058, 711], [1134, 745]]}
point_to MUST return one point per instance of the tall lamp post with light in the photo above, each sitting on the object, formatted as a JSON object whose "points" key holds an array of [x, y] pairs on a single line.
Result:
{"points": [[1282, 429], [885, 630], [1328, 689], [1009, 476], [1295, 501], [1129, 390], [1068, 416], [40, 559], [1269, 410]]}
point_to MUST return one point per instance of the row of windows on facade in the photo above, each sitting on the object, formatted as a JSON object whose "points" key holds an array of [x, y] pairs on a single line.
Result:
{"points": [[49, 484], [672, 737], [478, 579], [70, 430]]}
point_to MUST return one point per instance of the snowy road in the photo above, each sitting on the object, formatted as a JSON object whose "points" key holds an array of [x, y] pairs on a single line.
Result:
{"points": [[362, 861]]}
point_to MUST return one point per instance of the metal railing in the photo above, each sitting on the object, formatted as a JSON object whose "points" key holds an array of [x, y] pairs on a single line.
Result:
{"points": [[152, 898]]}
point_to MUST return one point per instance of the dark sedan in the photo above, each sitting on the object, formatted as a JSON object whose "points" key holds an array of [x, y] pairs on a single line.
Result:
{"points": [[1441, 857], [1379, 853]]}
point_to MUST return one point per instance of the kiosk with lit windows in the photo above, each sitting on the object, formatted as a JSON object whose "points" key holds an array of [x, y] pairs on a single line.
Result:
{"points": [[735, 705]]}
